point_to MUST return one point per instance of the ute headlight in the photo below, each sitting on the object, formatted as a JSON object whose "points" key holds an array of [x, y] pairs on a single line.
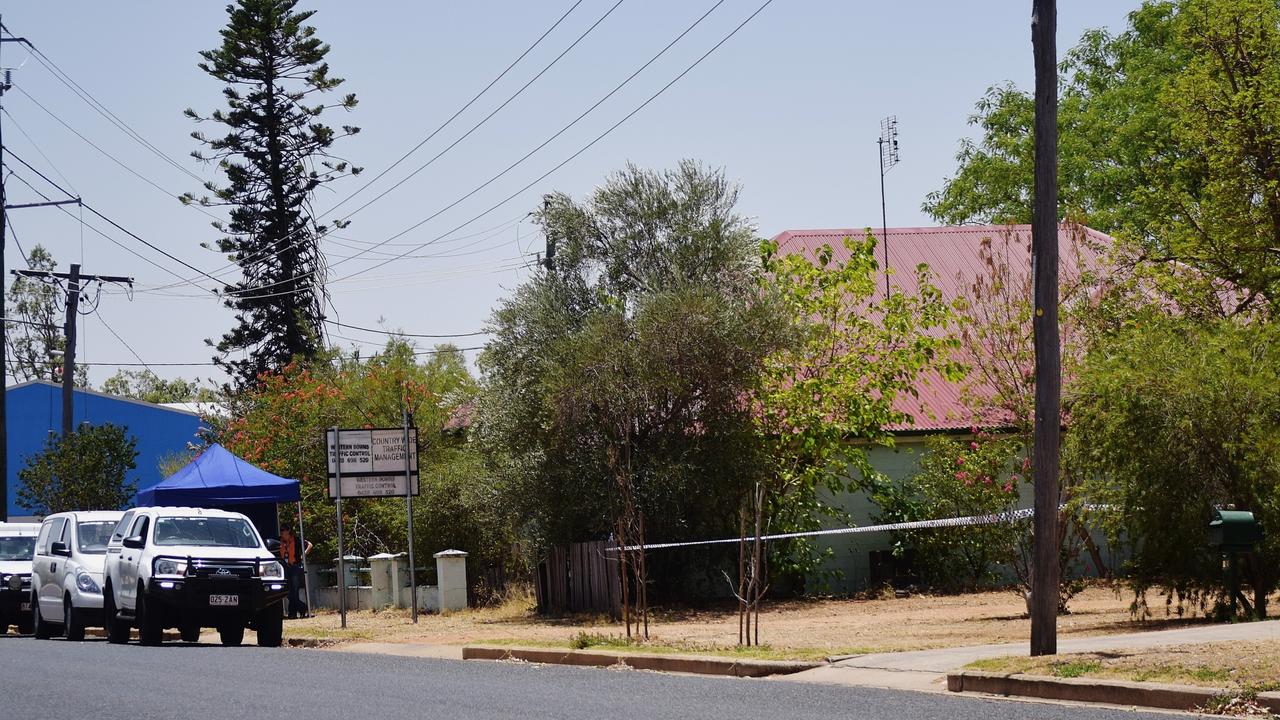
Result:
{"points": [[86, 583], [172, 567], [14, 582], [272, 571]]}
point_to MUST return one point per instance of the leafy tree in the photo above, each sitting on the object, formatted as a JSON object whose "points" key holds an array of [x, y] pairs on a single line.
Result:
{"points": [[280, 426], [86, 470], [36, 344], [615, 385], [844, 383], [1171, 417], [1167, 140], [147, 386], [275, 154], [959, 479]]}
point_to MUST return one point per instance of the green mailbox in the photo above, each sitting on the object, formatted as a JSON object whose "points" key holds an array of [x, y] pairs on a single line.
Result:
{"points": [[1234, 531]]}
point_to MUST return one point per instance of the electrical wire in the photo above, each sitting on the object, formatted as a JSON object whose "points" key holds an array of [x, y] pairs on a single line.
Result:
{"points": [[127, 346], [462, 109], [546, 142], [36, 145], [404, 334], [566, 161], [118, 226], [125, 166], [101, 108]]}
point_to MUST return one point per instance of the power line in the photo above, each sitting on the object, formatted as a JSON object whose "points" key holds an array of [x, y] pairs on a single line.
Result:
{"points": [[36, 145], [120, 227], [510, 167], [405, 334], [548, 141], [276, 248], [101, 108], [122, 342], [125, 166], [291, 239], [210, 364], [495, 111], [463, 109], [569, 159]]}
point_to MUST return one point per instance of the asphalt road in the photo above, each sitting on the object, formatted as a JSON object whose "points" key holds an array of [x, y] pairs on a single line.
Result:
{"points": [[42, 679]]}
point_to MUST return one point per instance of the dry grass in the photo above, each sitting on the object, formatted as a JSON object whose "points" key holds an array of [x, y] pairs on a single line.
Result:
{"points": [[799, 629], [1236, 665]]}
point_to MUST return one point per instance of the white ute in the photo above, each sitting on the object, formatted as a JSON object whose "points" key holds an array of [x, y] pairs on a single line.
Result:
{"points": [[190, 568], [16, 542], [66, 574]]}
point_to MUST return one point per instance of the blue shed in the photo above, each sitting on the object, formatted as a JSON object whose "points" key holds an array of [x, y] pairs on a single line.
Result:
{"points": [[34, 411]]}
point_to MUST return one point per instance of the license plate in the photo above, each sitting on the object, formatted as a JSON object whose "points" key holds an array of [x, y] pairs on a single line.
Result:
{"points": [[24, 607], [224, 600]]}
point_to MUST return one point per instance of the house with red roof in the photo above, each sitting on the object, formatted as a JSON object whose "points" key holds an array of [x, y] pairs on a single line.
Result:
{"points": [[956, 259]]}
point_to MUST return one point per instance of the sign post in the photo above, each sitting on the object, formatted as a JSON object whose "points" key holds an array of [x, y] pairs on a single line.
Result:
{"points": [[336, 468], [368, 463], [408, 500]]}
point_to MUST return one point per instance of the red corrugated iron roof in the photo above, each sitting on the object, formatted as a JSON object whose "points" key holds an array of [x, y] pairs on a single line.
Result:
{"points": [[953, 255]]}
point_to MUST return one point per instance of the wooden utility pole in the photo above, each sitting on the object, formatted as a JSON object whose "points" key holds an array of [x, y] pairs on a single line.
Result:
{"points": [[69, 349], [4, 324], [75, 284], [1048, 371]]}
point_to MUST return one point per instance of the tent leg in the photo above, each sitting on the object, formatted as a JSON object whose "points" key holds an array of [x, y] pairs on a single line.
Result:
{"points": [[306, 579]]}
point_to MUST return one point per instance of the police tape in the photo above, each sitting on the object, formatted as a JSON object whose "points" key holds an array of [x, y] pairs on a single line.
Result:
{"points": [[990, 519]]}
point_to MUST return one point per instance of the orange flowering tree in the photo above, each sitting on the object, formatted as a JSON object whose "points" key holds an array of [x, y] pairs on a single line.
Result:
{"points": [[280, 426]]}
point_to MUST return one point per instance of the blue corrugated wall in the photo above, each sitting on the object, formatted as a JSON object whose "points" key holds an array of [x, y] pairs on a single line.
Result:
{"points": [[35, 410]]}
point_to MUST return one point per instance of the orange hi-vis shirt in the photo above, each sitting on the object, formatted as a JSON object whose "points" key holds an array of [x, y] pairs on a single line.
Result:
{"points": [[289, 551]]}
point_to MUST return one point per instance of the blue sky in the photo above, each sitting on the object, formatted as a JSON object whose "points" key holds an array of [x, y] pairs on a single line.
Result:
{"points": [[790, 107]]}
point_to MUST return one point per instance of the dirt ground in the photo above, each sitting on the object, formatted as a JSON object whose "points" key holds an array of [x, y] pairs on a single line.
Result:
{"points": [[802, 628]]}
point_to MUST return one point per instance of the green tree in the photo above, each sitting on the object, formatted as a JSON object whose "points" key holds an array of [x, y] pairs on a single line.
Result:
{"points": [[275, 154], [147, 386], [843, 384], [1168, 141], [36, 344], [86, 470], [280, 426], [615, 385], [1170, 418], [959, 479]]}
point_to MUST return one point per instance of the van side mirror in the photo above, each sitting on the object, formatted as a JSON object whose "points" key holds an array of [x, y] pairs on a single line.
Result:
{"points": [[59, 548], [273, 545], [135, 542]]}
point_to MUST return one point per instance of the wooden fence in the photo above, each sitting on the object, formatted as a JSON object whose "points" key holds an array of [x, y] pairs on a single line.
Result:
{"points": [[582, 577]]}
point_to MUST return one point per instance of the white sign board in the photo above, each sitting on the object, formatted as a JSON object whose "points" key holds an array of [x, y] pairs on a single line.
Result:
{"points": [[372, 462]]}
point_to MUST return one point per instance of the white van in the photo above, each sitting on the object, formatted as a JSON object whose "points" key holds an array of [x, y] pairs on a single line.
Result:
{"points": [[16, 542], [66, 572]]}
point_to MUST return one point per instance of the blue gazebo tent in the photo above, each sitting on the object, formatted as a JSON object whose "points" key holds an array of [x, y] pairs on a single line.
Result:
{"points": [[219, 478]]}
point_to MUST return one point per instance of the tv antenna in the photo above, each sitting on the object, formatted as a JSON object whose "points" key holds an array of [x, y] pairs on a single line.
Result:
{"points": [[888, 143]]}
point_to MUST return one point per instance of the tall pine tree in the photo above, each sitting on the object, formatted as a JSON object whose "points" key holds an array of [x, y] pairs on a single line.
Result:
{"points": [[274, 155]]}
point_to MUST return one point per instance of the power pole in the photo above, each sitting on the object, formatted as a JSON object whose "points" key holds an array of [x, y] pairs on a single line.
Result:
{"points": [[75, 285], [1048, 370], [4, 323], [69, 350]]}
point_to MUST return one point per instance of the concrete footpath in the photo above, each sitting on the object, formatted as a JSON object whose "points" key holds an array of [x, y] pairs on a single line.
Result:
{"points": [[926, 670]]}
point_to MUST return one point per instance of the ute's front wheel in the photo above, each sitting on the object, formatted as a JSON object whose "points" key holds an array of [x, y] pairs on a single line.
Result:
{"points": [[270, 625], [117, 630], [150, 621]]}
